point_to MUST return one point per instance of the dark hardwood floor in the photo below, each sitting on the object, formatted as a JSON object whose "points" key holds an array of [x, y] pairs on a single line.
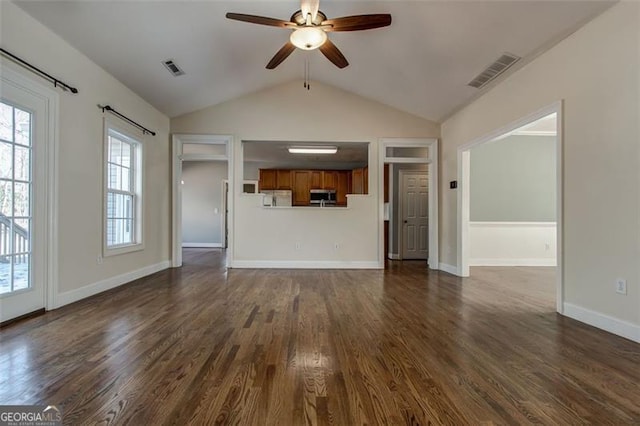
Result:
{"points": [[202, 345]]}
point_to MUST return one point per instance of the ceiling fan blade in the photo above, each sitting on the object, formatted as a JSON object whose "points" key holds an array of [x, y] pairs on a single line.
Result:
{"points": [[334, 54], [310, 7], [262, 20], [282, 54], [358, 22]]}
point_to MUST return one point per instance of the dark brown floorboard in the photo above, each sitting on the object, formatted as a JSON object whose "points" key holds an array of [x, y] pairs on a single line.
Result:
{"points": [[202, 345]]}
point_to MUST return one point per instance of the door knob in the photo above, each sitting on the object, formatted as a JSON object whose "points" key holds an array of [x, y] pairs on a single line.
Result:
{"points": [[405, 221]]}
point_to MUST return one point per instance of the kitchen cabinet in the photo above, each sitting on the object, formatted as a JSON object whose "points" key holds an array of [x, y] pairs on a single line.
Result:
{"points": [[357, 181], [330, 179], [360, 181], [283, 179], [301, 187], [316, 179], [300, 182], [267, 179], [342, 187]]}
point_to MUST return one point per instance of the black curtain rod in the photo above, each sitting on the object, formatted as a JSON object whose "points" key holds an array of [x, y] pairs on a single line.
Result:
{"points": [[56, 83], [127, 119]]}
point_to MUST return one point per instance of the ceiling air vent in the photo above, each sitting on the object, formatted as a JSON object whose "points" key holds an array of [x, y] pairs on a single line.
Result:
{"points": [[173, 68], [495, 69]]}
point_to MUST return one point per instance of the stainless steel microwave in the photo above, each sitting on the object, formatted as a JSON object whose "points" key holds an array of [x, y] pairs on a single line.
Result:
{"points": [[322, 196]]}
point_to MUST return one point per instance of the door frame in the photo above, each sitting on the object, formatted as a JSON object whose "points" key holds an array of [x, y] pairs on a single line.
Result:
{"points": [[432, 160], [178, 140], [223, 214], [47, 243], [401, 195], [464, 167]]}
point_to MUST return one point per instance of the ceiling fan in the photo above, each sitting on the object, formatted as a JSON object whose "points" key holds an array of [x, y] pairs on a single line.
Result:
{"points": [[310, 27]]}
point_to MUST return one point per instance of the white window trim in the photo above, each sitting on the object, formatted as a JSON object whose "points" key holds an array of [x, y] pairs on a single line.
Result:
{"points": [[138, 162]]}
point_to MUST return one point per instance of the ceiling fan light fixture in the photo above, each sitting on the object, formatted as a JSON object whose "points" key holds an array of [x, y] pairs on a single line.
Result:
{"points": [[313, 149], [308, 38]]}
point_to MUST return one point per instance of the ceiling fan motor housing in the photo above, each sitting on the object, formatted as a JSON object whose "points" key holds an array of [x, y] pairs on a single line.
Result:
{"points": [[298, 19]]}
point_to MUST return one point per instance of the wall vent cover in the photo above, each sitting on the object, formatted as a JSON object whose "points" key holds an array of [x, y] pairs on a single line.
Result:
{"points": [[173, 68], [495, 69]]}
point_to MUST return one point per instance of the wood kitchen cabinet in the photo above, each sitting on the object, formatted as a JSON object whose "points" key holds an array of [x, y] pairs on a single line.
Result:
{"points": [[315, 179], [342, 187], [301, 187], [330, 179], [300, 182], [283, 179], [360, 181], [267, 179], [357, 181]]}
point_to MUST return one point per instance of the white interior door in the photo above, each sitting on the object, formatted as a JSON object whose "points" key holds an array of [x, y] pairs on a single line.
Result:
{"points": [[415, 215], [22, 202]]}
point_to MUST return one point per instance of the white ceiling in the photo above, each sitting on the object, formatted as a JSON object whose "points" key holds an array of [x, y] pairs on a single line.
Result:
{"points": [[420, 64]]}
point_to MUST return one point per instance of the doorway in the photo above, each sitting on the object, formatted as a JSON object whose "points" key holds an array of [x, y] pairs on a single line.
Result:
{"points": [[203, 149], [417, 158], [464, 196], [27, 191]]}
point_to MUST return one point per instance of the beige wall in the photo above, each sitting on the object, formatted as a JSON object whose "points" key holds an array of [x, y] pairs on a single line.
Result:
{"points": [[80, 157], [596, 73], [325, 113]]}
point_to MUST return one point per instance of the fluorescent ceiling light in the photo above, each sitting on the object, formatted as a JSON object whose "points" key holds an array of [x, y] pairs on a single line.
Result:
{"points": [[313, 149]]}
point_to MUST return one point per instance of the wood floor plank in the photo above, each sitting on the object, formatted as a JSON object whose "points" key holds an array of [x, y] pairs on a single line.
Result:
{"points": [[205, 345]]}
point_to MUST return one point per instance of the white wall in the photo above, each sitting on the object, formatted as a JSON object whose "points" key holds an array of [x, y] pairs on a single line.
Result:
{"points": [[596, 73], [202, 203], [512, 243], [268, 237], [80, 165]]}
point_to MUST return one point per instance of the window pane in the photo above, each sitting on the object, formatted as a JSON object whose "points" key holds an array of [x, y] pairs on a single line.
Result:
{"points": [[6, 122], [6, 198], [22, 163], [115, 150], [21, 199], [113, 176], [125, 159], [126, 179], [21, 236], [407, 152], [5, 274], [20, 272], [119, 231], [23, 127], [6, 165]]}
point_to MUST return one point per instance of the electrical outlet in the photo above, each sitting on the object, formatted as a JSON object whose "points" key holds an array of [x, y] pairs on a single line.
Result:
{"points": [[99, 260], [297, 246], [547, 247], [336, 246], [621, 286]]}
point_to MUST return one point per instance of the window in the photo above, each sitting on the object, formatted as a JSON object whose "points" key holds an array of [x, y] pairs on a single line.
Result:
{"points": [[123, 187]]}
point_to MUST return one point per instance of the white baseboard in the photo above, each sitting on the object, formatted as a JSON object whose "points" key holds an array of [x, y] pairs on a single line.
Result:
{"points": [[202, 245], [513, 262], [304, 264], [107, 284], [604, 322], [394, 256], [449, 268]]}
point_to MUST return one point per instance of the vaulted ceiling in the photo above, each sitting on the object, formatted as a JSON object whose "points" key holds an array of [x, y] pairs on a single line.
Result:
{"points": [[420, 64]]}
